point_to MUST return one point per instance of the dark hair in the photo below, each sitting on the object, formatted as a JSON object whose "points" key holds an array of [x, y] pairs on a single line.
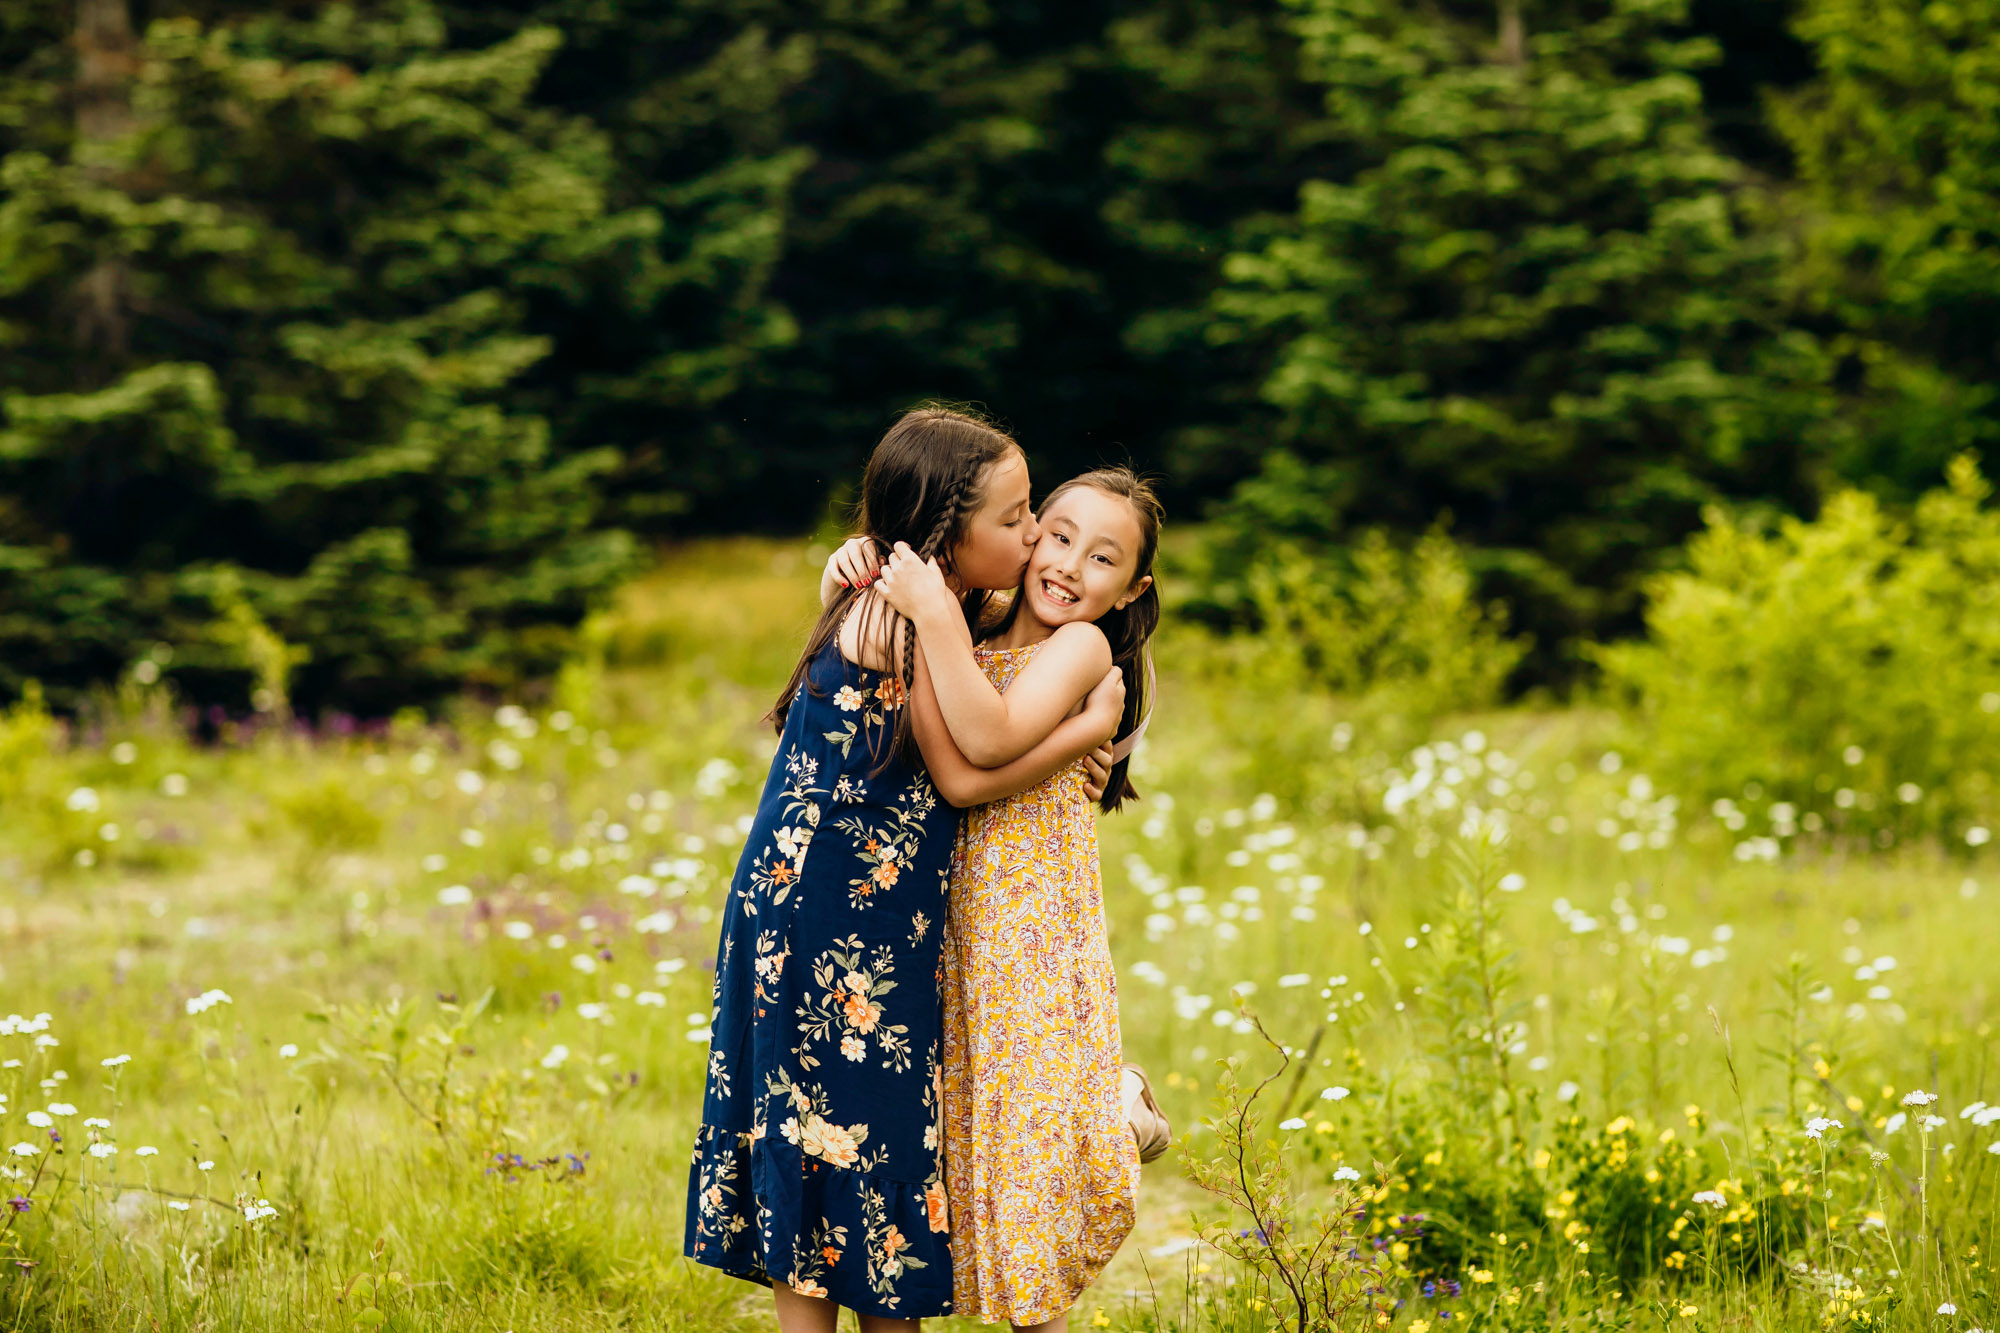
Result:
{"points": [[1128, 629], [923, 482]]}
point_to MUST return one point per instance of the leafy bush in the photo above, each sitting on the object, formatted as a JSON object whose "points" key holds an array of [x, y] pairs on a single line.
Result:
{"points": [[1397, 628], [1845, 671]]}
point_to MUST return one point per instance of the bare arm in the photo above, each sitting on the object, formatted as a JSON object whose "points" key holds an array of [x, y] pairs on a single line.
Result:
{"points": [[963, 784], [990, 727]]}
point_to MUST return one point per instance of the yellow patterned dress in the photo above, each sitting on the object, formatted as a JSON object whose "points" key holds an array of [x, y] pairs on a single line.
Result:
{"points": [[1040, 1167]]}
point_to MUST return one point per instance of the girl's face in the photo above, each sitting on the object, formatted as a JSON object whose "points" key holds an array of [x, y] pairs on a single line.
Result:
{"points": [[1000, 533], [1084, 564]]}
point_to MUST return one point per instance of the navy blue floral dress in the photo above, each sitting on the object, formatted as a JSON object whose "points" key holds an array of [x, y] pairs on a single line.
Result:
{"points": [[820, 1160]]}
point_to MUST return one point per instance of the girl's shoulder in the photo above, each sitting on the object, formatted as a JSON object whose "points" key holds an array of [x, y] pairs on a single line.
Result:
{"points": [[1081, 636]]}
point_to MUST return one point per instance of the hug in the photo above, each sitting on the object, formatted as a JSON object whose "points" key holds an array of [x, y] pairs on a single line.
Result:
{"points": [[916, 1103]]}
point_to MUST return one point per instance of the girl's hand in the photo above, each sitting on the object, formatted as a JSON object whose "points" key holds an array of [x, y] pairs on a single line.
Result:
{"points": [[915, 587], [855, 564], [1097, 772], [1105, 704]]}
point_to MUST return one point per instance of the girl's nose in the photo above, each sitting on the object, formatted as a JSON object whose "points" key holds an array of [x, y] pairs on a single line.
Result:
{"points": [[1033, 532]]}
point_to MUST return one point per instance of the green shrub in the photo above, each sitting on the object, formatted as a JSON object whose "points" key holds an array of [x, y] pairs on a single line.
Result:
{"points": [[1395, 630], [1847, 668]]}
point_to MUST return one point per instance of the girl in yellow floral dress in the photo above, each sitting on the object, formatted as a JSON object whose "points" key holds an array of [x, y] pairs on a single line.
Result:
{"points": [[1040, 1166]]}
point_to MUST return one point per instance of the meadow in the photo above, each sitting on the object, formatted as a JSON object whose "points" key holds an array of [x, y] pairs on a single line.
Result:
{"points": [[402, 1026]]}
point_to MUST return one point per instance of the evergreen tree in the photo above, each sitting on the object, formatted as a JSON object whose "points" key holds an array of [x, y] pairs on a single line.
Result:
{"points": [[1215, 130], [1898, 189], [1530, 304], [264, 298], [661, 346]]}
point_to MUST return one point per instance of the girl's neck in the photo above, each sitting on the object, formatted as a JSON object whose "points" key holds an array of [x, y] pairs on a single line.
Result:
{"points": [[1024, 631]]}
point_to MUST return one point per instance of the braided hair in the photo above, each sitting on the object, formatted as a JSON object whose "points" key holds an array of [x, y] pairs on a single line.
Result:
{"points": [[923, 483], [954, 506]]}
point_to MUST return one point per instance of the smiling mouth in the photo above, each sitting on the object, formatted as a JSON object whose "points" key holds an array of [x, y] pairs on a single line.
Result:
{"points": [[1059, 595]]}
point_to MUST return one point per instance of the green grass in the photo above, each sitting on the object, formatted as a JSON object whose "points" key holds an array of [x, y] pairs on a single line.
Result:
{"points": [[353, 895]]}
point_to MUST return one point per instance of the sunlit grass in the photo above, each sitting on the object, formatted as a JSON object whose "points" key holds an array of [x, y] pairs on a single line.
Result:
{"points": [[461, 1053]]}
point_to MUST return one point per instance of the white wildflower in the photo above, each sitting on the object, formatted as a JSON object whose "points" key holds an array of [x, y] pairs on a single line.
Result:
{"points": [[207, 1000]]}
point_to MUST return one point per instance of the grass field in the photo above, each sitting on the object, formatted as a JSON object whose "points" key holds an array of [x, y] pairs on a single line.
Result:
{"points": [[403, 1027]]}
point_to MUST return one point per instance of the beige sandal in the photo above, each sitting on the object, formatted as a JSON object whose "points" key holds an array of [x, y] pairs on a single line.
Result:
{"points": [[1150, 1129]]}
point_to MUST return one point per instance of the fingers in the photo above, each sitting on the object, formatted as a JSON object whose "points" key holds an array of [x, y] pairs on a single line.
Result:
{"points": [[856, 562], [1110, 690], [1097, 769], [1097, 772]]}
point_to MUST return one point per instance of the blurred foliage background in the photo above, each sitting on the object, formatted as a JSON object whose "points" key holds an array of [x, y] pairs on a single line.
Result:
{"points": [[352, 352]]}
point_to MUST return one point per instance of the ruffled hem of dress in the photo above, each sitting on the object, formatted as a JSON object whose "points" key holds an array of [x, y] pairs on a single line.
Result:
{"points": [[822, 1193]]}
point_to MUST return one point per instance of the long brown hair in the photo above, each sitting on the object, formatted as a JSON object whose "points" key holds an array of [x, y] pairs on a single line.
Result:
{"points": [[923, 483], [1128, 629]]}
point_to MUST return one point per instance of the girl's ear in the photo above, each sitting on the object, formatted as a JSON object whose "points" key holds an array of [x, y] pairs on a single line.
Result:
{"points": [[1133, 592]]}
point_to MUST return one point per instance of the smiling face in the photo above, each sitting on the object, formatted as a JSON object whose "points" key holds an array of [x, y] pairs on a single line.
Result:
{"points": [[1001, 531], [1085, 563]]}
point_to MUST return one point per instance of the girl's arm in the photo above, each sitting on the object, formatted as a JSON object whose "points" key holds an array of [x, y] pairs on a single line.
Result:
{"points": [[991, 728], [963, 784], [856, 563]]}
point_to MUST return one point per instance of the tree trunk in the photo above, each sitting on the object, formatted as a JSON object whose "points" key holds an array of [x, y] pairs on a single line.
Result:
{"points": [[1513, 40], [106, 59]]}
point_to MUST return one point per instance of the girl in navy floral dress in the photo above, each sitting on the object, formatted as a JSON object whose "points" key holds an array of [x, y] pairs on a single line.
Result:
{"points": [[818, 1167]]}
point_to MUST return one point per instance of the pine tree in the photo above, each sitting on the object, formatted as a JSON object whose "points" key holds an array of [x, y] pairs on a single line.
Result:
{"points": [[1898, 184], [265, 297], [1529, 303]]}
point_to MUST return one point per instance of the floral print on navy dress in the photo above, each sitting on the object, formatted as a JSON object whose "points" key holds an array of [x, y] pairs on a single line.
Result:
{"points": [[820, 1158]]}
